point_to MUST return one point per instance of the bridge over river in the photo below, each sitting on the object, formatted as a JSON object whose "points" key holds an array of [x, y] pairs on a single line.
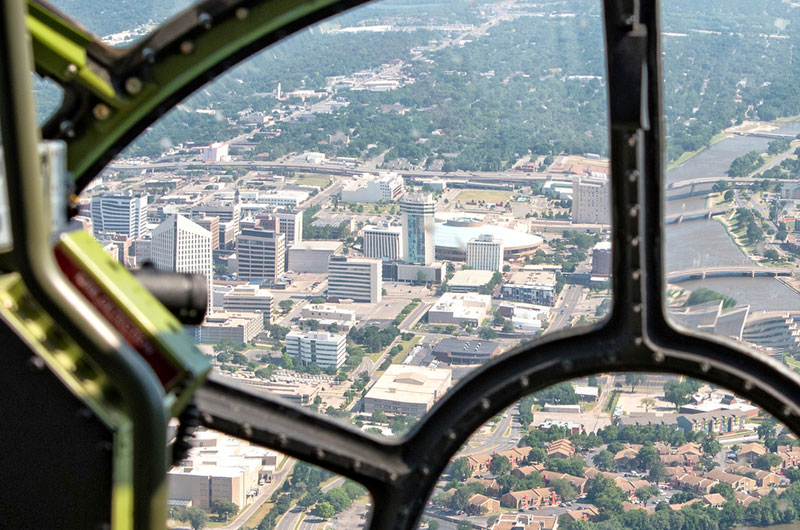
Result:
{"points": [[728, 272], [695, 214]]}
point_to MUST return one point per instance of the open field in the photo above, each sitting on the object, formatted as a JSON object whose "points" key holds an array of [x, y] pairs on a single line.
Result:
{"points": [[483, 195], [313, 180]]}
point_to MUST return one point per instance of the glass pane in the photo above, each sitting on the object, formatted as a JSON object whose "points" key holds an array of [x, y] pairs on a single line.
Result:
{"points": [[654, 451], [230, 483], [730, 212], [120, 22], [47, 94], [428, 191]]}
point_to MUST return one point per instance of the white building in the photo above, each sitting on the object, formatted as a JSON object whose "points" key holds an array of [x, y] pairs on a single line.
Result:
{"points": [[485, 253], [383, 242], [291, 198], [418, 228], [120, 213], [291, 224], [409, 390], [248, 298], [312, 256], [387, 187], [590, 201], [238, 327], [359, 279], [327, 314], [455, 308], [216, 152], [319, 347], [219, 466], [181, 245]]}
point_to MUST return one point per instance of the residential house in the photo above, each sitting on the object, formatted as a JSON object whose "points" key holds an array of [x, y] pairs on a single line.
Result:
{"points": [[523, 471], [479, 463], [699, 485], [480, 504], [491, 486], [744, 499], [715, 422], [626, 458], [524, 521], [789, 455], [749, 452], [562, 448], [762, 477], [715, 500], [737, 482], [516, 455], [578, 482], [587, 514], [682, 505]]}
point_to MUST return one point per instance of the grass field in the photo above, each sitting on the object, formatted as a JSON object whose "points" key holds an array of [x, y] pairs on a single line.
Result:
{"points": [[612, 401], [407, 345], [483, 195], [313, 180]]}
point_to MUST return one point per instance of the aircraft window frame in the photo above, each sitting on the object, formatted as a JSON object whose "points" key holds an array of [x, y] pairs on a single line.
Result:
{"points": [[177, 58]]}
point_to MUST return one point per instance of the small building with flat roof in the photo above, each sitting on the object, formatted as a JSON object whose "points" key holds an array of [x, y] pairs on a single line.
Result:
{"points": [[466, 281], [409, 390], [312, 256], [457, 351], [455, 308]]}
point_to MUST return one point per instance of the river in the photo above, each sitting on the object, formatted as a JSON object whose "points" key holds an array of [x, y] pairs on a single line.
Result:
{"points": [[698, 244]]}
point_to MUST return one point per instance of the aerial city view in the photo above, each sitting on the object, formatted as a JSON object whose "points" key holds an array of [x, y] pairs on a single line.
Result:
{"points": [[384, 202]]}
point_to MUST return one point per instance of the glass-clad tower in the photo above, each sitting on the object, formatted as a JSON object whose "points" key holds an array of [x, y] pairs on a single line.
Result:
{"points": [[418, 224]]}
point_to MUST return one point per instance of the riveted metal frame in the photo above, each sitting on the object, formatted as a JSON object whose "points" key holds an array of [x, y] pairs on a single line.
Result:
{"points": [[636, 336]]}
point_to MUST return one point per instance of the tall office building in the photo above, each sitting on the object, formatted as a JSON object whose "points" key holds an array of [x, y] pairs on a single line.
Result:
{"points": [[260, 255], [590, 201], [319, 347], [418, 224], [225, 212], [383, 242], [181, 245], [357, 278], [212, 225], [291, 224], [120, 213], [485, 253]]}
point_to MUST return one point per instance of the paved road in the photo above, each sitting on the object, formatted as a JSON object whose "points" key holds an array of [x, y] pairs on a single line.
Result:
{"points": [[569, 301], [293, 517]]}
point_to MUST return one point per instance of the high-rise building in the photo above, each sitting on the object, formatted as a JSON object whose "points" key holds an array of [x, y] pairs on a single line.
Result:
{"points": [[120, 213], [590, 201], [355, 278], [319, 347], [225, 212], [383, 242], [485, 253], [260, 255], [181, 245], [418, 225], [212, 225], [289, 222]]}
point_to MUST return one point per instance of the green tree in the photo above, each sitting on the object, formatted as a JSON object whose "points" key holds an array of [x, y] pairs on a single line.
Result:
{"points": [[197, 517], [564, 489], [379, 416], [265, 373], [658, 472], [767, 461], [607, 496], [711, 445], [499, 465], [604, 460], [287, 362], [286, 305], [224, 508], [647, 456], [633, 379], [459, 469], [725, 490], [728, 196], [324, 510], [433, 524]]}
